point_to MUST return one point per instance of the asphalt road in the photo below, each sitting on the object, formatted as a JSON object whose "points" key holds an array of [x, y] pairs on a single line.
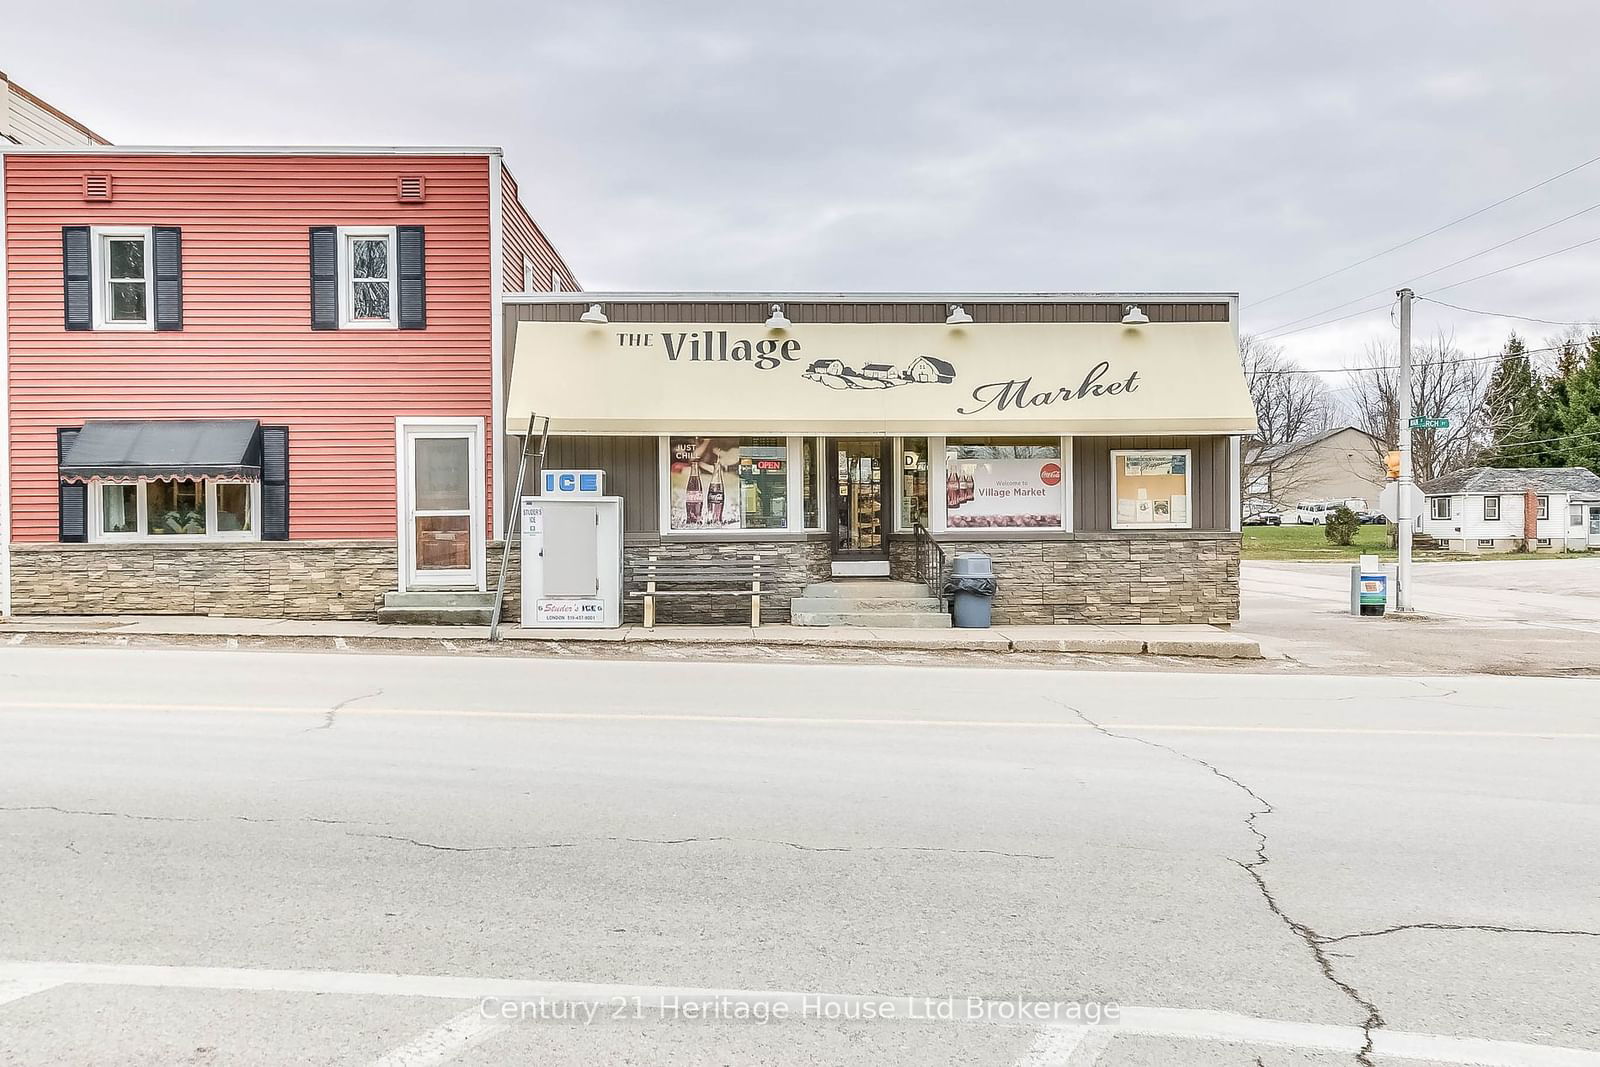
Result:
{"points": [[1535, 617], [226, 857]]}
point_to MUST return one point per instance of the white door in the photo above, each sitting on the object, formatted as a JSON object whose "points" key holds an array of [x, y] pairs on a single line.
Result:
{"points": [[441, 486]]}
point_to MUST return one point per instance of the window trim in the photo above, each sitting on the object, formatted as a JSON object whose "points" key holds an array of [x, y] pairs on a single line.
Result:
{"points": [[1543, 512], [527, 274], [1486, 502], [1485, 542], [347, 235], [100, 276], [1188, 481], [141, 534], [1575, 515], [1433, 508]]}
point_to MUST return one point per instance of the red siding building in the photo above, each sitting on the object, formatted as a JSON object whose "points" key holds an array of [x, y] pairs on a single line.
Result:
{"points": [[253, 381]]}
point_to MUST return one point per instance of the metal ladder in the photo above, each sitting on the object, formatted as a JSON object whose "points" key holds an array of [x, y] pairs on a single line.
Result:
{"points": [[537, 425]]}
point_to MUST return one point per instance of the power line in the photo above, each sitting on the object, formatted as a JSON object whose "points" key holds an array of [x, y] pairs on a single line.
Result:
{"points": [[1514, 266], [1506, 315], [1520, 445], [1424, 363], [1419, 237], [1455, 263], [1273, 335]]}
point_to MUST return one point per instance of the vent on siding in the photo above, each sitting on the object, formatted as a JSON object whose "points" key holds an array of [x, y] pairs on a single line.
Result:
{"points": [[413, 188], [97, 187]]}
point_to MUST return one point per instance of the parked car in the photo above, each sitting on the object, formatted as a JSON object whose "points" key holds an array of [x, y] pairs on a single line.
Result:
{"points": [[1316, 512], [1264, 518], [1371, 518]]}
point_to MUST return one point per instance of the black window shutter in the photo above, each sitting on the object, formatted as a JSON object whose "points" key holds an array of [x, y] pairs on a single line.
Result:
{"points": [[168, 277], [411, 257], [274, 483], [77, 285], [73, 511], [324, 278]]}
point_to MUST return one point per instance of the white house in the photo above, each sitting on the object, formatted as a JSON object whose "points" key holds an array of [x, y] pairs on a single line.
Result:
{"points": [[1499, 509]]}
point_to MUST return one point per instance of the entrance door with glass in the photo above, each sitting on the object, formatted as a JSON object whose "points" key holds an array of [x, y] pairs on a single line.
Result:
{"points": [[859, 515], [441, 480]]}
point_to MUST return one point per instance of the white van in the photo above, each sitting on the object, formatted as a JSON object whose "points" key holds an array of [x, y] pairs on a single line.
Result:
{"points": [[1316, 512]]}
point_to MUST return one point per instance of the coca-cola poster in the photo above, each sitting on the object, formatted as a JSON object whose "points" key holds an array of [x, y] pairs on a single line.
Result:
{"points": [[1003, 493], [705, 485]]}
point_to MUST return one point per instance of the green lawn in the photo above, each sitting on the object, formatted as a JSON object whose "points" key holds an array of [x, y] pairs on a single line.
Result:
{"points": [[1311, 543]]}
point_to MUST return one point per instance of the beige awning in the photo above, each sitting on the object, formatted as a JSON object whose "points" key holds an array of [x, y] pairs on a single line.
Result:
{"points": [[880, 378]]}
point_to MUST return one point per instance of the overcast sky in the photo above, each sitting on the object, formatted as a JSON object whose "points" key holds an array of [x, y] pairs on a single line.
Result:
{"points": [[896, 147]]}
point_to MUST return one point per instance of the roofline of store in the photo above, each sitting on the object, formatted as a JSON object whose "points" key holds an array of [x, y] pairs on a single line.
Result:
{"points": [[249, 150], [592, 297]]}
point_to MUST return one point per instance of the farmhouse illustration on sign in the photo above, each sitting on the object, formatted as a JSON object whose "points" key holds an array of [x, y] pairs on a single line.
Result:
{"points": [[836, 375]]}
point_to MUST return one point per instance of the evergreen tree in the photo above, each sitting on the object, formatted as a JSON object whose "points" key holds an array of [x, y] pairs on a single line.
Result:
{"points": [[1569, 409], [1512, 399]]}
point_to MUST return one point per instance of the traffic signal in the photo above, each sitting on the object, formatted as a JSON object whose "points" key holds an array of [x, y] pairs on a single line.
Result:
{"points": [[1392, 461]]}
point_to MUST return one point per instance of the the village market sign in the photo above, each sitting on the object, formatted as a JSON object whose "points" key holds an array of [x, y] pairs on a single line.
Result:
{"points": [[770, 353], [653, 377]]}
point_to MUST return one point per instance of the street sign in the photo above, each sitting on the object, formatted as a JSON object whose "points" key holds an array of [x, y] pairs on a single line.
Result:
{"points": [[1430, 424]]}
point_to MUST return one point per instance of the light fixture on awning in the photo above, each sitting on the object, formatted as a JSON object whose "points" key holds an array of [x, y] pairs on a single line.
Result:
{"points": [[1132, 315], [958, 316], [595, 315], [778, 321]]}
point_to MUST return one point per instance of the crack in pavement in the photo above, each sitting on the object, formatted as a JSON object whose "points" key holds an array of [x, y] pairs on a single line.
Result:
{"points": [[1313, 941], [1486, 927], [698, 840], [333, 712]]}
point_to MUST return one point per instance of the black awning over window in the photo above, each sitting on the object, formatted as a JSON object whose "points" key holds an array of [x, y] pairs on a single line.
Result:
{"points": [[128, 450]]}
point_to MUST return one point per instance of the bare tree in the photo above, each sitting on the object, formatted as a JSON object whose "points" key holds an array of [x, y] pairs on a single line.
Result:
{"points": [[1443, 385], [1291, 405]]}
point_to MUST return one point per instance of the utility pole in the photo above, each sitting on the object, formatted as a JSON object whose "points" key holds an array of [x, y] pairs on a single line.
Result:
{"points": [[1404, 520]]}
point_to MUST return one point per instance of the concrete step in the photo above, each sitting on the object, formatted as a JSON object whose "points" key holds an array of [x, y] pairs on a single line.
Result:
{"points": [[925, 620], [875, 604], [865, 589], [438, 616], [439, 599]]}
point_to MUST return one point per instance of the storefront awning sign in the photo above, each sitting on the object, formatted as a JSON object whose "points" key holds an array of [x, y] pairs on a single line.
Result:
{"points": [[888, 378]]}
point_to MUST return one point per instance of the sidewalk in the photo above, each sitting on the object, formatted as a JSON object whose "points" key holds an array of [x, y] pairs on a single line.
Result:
{"points": [[1208, 642]]}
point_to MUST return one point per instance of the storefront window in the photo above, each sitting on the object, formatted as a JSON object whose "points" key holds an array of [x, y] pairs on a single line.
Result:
{"points": [[177, 507], [1003, 483], [913, 482], [233, 507], [728, 483], [1150, 488], [119, 508]]}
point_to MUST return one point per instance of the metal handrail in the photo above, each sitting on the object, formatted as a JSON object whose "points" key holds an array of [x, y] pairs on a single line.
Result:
{"points": [[930, 562]]}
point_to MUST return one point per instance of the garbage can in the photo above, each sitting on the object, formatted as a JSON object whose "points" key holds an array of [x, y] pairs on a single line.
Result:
{"points": [[971, 587]]}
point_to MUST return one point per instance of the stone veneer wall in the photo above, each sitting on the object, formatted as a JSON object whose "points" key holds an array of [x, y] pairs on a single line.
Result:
{"points": [[1125, 578], [275, 580], [795, 563], [1081, 578]]}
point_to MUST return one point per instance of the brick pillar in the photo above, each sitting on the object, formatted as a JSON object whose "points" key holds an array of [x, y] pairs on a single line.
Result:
{"points": [[1530, 516]]}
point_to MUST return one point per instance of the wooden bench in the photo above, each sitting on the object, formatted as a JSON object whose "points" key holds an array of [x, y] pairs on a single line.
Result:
{"points": [[700, 577]]}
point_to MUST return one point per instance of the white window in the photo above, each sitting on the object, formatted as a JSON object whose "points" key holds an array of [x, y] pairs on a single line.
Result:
{"points": [[1004, 483], [1439, 507], [1491, 508], [1575, 515], [121, 262], [1544, 542], [182, 509], [527, 274], [1544, 507], [555, 280], [366, 277], [1485, 542], [727, 483], [1150, 489]]}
